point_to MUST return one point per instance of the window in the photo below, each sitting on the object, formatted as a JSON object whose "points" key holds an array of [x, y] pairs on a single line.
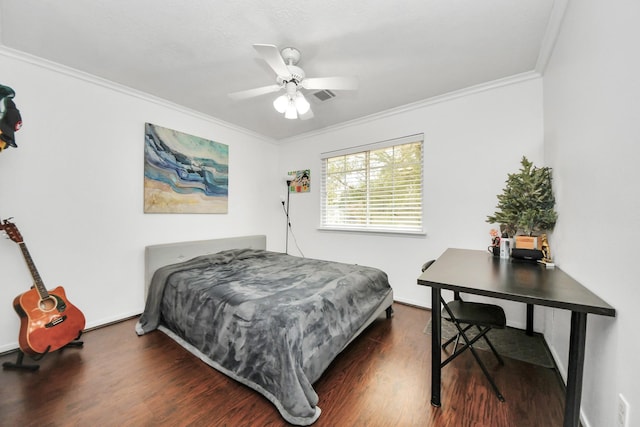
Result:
{"points": [[377, 187]]}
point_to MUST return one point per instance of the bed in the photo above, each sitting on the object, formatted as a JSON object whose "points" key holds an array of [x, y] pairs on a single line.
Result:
{"points": [[271, 321]]}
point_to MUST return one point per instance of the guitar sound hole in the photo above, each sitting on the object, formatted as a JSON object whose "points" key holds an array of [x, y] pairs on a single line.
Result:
{"points": [[48, 304]]}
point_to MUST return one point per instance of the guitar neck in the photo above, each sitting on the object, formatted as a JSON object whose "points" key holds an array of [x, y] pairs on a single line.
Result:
{"points": [[37, 280]]}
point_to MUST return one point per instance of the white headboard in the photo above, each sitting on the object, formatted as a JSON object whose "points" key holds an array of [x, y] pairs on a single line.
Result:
{"points": [[156, 256]]}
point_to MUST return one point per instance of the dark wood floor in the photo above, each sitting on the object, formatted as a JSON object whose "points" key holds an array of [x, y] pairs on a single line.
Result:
{"points": [[382, 379]]}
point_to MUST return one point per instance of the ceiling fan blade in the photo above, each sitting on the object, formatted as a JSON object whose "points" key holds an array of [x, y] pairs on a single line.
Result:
{"points": [[250, 93], [306, 116], [271, 55], [331, 83]]}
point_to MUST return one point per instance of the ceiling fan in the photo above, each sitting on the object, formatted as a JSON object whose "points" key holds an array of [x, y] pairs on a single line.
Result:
{"points": [[292, 79]]}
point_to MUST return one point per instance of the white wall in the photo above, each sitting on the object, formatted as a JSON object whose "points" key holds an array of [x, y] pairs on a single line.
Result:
{"points": [[592, 140], [75, 189], [74, 186], [471, 142]]}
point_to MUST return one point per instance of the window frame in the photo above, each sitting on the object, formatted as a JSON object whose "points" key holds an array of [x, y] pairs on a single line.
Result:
{"points": [[366, 149]]}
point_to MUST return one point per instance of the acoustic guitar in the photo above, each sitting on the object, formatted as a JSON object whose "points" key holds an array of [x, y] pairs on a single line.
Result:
{"points": [[48, 321]]}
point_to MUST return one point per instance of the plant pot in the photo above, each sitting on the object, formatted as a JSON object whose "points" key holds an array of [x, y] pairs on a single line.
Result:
{"points": [[526, 242]]}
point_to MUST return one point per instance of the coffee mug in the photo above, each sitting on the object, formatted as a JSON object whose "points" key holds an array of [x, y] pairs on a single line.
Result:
{"points": [[505, 248]]}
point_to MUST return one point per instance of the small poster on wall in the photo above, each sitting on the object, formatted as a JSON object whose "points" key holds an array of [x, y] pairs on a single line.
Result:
{"points": [[301, 181], [184, 173]]}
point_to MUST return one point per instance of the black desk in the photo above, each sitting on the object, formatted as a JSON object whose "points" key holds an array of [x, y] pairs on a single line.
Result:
{"points": [[479, 273]]}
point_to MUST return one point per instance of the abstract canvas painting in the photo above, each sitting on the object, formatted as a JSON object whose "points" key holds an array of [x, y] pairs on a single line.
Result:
{"points": [[184, 173]]}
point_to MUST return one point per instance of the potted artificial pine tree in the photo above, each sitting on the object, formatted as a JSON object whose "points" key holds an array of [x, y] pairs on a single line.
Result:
{"points": [[526, 204]]}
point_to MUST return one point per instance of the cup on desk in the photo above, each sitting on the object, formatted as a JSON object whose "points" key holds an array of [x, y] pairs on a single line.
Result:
{"points": [[494, 250], [505, 248]]}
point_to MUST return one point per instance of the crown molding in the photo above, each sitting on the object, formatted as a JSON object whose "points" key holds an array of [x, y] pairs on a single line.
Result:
{"points": [[125, 90], [99, 81], [551, 34], [482, 87]]}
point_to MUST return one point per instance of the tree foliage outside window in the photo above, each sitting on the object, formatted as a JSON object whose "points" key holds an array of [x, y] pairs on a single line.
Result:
{"points": [[375, 190]]}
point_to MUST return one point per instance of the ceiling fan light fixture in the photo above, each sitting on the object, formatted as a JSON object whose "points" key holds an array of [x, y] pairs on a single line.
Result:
{"points": [[281, 103], [301, 103], [291, 112], [293, 104]]}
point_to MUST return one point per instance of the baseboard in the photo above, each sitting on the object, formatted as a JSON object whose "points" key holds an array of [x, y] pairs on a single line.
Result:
{"points": [[13, 346], [562, 375], [412, 303], [110, 321], [8, 348]]}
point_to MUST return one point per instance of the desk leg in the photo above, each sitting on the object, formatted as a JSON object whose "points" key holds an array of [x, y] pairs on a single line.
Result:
{"points": [[530, 319], [576, 366], [436, 339]]}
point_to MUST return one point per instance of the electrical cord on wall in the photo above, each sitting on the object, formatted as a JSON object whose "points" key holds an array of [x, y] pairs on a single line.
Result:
{"points": [[291, 230]]}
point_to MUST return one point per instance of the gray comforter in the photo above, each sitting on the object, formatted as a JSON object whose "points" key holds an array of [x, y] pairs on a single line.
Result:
{"points": [[271, 321]]}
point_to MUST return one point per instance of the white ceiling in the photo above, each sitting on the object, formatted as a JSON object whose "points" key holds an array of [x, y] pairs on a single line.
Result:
{"points": [[195, 52]]}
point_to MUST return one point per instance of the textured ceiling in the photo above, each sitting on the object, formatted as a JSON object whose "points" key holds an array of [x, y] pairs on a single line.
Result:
{"points": [[195, 52]]}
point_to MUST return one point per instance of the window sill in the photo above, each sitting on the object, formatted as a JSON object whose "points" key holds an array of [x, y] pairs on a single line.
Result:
{"points": [[373, 231]]}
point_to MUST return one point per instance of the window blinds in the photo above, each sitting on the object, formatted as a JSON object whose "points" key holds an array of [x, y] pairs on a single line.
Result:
{"points": [[375, 187]]}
